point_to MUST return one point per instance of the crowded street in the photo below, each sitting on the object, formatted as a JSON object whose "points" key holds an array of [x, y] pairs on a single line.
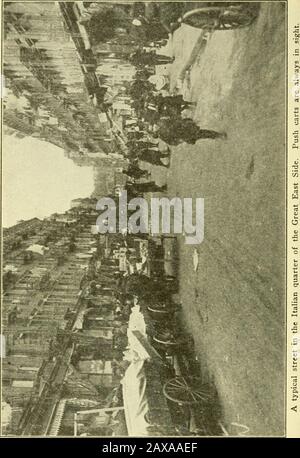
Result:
{"points": [[238, 281]]}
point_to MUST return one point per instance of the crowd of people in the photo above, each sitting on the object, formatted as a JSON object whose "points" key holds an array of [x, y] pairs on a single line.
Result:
{"points": [[160, 120]]}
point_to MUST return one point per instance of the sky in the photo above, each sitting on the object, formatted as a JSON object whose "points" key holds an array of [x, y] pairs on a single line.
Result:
{"points": [[38, 180]]}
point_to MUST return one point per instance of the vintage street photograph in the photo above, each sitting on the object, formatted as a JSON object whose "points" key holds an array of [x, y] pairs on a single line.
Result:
{"points": [[143, 219]]}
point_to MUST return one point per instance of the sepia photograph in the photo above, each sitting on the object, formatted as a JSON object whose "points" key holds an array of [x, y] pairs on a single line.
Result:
{"points": [[144, 149]]}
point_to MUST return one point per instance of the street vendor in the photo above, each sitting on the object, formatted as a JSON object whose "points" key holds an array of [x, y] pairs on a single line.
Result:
{"points": [[150, 186], [134, 171], [170, 104]]}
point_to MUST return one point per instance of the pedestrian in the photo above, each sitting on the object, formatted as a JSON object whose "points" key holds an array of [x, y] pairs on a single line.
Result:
{"points": [[139, 88], [135, 134], [177, 130]]}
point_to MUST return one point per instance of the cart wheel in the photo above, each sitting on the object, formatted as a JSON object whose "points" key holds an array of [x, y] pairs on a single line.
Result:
{"points": [[186, 390], [202, 18]]}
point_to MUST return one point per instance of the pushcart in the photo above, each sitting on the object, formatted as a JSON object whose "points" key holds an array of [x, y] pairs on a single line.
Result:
{"points": [[228, 16]]}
